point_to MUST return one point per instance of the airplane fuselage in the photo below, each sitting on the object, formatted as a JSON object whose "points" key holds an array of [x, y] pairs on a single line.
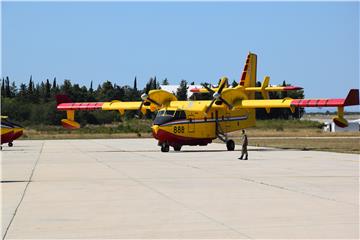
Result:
{"points": [[177, 127]]}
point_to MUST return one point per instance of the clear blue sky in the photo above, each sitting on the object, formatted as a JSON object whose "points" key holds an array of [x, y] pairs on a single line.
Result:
{"points": [[313, 45]]}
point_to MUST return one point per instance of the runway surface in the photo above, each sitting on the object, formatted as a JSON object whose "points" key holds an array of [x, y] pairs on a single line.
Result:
{"points": [[127, 188]]}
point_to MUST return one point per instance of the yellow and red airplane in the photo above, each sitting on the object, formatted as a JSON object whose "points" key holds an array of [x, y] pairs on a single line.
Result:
{"points": [[198, 122], [10, 131]]}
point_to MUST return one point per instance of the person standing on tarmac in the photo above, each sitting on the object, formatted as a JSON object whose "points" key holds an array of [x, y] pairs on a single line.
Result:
{"points": [[244, 142]]}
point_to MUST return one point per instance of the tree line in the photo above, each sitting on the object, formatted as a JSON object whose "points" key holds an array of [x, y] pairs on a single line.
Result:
{"points": [[35, 104]]}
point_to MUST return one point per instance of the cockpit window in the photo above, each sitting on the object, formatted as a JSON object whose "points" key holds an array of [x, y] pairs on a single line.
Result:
{"points": [[180, 115], [169, 113], [161, 113]]}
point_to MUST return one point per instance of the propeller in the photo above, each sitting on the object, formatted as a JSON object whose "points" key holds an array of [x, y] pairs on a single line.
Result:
{"points": [[217, 95], [146, 100]]}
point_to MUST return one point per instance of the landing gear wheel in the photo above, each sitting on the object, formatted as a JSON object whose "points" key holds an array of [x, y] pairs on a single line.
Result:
{"points": [[230, 145], [165, 147], [177, 148], [10, 144]]}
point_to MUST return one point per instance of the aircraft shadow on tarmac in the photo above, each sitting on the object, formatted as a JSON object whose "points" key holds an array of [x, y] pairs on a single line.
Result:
{"points": [[236, 150], [14, 181], [194, 151]]}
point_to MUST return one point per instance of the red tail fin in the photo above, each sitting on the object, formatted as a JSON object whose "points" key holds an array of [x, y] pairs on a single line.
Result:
{"points": [[352, 98], [61, 98]]}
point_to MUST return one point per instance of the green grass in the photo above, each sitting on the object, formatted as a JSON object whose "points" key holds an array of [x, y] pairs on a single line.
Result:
{"points": [[287, 124], [132, 127]]}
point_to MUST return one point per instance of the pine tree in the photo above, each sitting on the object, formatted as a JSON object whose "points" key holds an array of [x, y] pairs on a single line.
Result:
{"points": [[7, 87], [36, 95], [54, 88], [22, 92], [47, 90], [155, 85], [91, 90], [135, 84], [181, 93], [3, 88], [165, 82], [30, 88], [149, 85], [234, 84]]}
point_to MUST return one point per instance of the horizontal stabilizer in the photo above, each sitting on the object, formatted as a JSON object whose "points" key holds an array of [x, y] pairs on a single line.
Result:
{"points": [[69, 124], [80, 106], [351, 99]]}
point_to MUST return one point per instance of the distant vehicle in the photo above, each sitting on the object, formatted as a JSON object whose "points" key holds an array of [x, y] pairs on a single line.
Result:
{"points": [[10, 131], [198, 122]]}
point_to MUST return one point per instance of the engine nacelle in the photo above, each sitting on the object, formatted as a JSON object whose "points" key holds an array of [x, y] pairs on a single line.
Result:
{"points": [[69, 124]]}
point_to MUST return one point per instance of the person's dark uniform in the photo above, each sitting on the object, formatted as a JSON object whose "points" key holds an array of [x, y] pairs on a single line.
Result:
{"points": [[244, 140]]}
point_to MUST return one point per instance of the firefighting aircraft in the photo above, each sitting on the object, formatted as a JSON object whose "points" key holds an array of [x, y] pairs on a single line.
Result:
{"points": [[9, 131], [179, 123]]}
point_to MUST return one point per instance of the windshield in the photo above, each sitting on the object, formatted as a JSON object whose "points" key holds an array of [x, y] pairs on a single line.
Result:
{"points": [[165, 116], [166, 113]]}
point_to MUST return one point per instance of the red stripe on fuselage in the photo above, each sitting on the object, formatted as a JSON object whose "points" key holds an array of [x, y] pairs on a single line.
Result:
{"points": [[17, 134], [7, 137], [176, 140]]}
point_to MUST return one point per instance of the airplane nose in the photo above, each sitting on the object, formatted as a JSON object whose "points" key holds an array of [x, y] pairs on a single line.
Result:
{"points": [[155, 129]]}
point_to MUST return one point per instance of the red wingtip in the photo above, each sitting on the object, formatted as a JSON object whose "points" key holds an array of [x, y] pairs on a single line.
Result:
{"points": [[352, 98], [61, 98], [195, 90]]}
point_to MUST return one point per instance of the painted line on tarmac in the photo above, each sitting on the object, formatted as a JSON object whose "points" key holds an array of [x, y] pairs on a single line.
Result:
{"points": [[25, 189]]}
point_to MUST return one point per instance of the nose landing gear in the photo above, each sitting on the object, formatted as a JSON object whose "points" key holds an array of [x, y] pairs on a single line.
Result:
{"points": [[165, 147]]}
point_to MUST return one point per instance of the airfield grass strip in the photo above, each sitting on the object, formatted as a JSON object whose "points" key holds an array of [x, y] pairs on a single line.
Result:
{"points": [[343, 145]]}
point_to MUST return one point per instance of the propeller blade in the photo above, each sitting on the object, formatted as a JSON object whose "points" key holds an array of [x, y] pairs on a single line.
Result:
{"points": [[226, 103], [207, 88], [221, 88], [139, 111], [209, 107], [153, 101]]}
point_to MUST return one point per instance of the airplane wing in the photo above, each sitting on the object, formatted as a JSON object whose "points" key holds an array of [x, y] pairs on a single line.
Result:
{"points": [[154, 100], [351, 99]]}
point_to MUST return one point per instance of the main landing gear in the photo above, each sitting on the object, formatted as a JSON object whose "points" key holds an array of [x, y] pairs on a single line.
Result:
{"points": [[165, 147], [230, 144], [177, 148]]}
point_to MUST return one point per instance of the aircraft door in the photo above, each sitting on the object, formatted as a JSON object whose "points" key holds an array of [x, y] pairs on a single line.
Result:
{"points": [[191, 127]]}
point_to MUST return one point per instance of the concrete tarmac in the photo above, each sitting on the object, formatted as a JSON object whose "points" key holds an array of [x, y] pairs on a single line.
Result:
{"points": [[127, 188]]}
